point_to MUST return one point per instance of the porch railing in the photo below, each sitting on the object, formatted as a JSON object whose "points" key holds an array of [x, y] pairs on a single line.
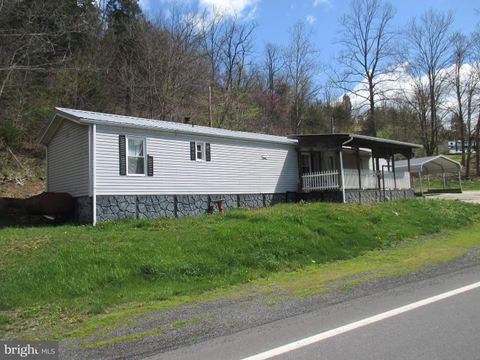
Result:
{"points": [[330, 180], [402, 180], [369, 179], [321, 180]]}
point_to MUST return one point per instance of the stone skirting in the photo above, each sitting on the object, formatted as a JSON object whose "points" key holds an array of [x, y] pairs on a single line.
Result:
{"points": [[112, 207], [357, 196], [371, 196]]}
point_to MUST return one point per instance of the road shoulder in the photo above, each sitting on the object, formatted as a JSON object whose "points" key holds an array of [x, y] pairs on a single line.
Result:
{"points": [[283, 295]]}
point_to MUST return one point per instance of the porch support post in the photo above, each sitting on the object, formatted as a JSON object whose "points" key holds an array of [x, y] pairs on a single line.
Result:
{"points": [[342, 176], [394, 173], [377, 162], [359, 169], [460, 180], [421, 185], [300, 174], [383, 180], [409, 172], [444, 181]]}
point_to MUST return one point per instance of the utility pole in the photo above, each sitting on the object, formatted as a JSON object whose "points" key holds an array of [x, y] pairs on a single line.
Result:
{"points": [[210, 106]]}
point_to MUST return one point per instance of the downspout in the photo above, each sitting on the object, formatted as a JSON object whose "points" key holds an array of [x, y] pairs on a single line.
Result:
{"points": [[46, 168], [341, 168], [92, 131], [94, 173]]}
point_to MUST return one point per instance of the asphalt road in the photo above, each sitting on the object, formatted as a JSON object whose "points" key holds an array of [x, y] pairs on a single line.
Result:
{"points": [[444, 329]]}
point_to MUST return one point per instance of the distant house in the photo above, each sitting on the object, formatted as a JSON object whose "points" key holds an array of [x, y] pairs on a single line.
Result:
{"points": [[121, 166]]}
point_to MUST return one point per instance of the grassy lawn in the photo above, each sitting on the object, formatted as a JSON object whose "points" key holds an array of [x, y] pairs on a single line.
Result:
{"points": [[70, 274], [452, 183]]}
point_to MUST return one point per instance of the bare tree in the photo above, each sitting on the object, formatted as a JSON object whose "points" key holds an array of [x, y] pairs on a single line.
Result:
{"points": [[301, 67], [236, 46], [211, 27], [428, 53], [464, 80], [460, 54], [172, 74], [367, 39], [475, 62], [274, 63], [38, 40]]}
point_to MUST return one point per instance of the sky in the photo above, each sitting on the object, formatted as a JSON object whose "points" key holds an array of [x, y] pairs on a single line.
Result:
{"points": [[275, 18]]}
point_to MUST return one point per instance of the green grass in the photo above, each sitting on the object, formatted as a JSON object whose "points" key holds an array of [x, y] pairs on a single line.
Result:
{"points": [[470, 185], [69, 273], [137, 335], [452, 183]]}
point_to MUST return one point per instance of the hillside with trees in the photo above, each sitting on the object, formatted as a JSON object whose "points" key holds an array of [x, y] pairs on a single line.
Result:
{"points": [[109, 56]]}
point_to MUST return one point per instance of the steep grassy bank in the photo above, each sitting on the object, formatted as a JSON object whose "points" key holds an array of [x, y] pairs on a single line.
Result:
{"points": [[86, 269]]}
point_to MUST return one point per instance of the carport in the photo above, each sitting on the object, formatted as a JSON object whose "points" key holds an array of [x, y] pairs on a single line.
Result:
{"points": [[439, 167]]}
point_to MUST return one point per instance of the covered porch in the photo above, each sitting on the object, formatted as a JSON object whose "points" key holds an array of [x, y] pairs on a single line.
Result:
{"points": [[340, 162]]}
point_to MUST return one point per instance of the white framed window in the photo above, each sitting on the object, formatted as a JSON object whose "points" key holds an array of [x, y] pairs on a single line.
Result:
{"points": [[136, 150], [200, 151]]}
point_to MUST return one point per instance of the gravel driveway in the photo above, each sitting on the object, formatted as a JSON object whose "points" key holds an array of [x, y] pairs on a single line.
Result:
{"points": [[467, 196]]}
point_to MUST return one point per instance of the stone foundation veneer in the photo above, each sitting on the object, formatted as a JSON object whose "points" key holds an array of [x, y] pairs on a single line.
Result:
{"points": [[112, 207], [371, 196]]}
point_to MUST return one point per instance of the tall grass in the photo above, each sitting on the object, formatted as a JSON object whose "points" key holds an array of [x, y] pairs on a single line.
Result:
{"points": [[81, 266]]}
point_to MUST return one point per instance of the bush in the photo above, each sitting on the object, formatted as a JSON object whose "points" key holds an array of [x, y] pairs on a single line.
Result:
{"points": [[10, 135]]}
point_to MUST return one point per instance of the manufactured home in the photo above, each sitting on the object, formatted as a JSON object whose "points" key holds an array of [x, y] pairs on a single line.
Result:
{"points": [[122, 166]]}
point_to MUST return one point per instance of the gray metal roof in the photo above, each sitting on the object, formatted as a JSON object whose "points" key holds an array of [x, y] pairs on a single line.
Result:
{"points": [[430, 165], [90, 117], [352, 138]]}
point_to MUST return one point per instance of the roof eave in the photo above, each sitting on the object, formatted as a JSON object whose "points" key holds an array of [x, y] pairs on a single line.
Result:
{"points": [[363, 137], [176, 131]]}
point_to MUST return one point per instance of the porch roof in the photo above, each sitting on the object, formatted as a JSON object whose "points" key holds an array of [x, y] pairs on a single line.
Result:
{"points": [[380, 147]]}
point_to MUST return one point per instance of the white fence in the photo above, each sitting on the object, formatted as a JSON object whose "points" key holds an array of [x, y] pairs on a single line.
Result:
{"points": [[328, 180], [321, 180]]}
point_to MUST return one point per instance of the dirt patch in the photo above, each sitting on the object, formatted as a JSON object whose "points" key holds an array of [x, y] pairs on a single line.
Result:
{"points": [[22, 172]]}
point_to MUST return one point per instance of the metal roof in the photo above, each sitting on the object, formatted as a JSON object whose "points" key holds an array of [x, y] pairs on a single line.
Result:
{"points": [[381, 148], [430, 165], [360, 138], [90, 117]]}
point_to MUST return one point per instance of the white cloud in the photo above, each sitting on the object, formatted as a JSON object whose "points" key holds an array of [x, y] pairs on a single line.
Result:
{"points": [[231, 7], [240, 8], [144, 4], [311, 19], [322, 2], [399, 84]]}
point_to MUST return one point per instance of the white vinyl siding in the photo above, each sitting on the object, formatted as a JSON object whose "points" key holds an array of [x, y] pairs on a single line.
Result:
{"points": [[236, 166], [67, 164]]}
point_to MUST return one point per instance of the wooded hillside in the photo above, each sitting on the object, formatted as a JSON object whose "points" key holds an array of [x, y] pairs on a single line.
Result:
{"points": [[109, 56]]}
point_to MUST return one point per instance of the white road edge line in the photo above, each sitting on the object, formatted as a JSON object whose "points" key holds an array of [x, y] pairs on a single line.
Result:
{"points": [[358, 324]]}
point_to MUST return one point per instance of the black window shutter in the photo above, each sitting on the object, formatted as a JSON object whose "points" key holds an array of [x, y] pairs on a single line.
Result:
{"points": [[149, 165], [207, 152], [122, 155], [192, 151]]}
